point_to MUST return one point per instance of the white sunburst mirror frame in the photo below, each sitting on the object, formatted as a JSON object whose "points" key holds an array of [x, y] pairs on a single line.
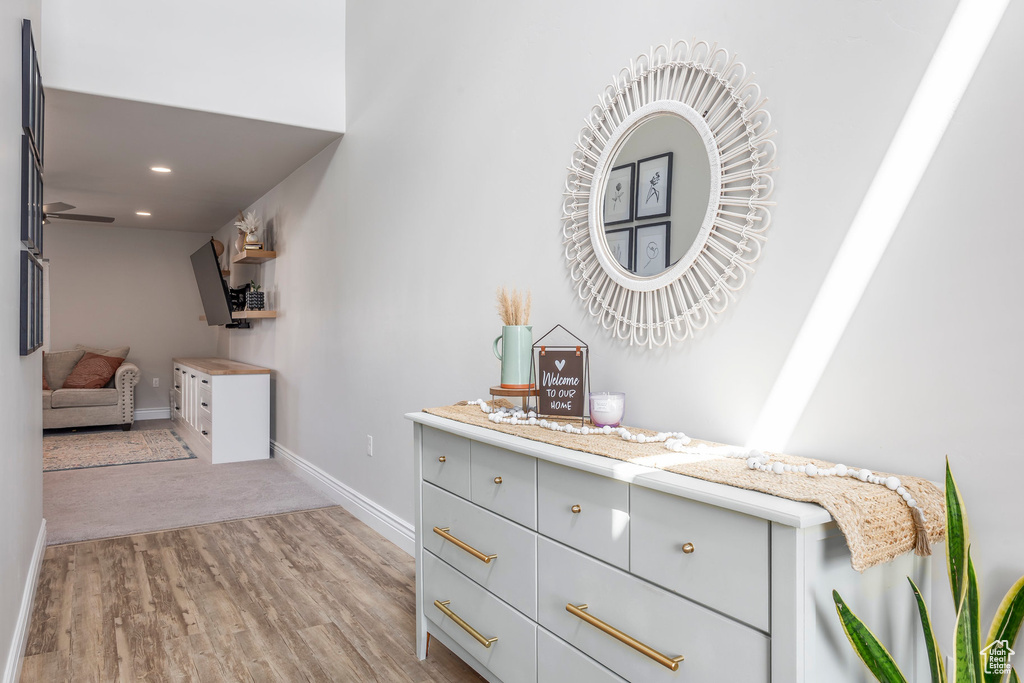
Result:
{"points": [[713, 92]]}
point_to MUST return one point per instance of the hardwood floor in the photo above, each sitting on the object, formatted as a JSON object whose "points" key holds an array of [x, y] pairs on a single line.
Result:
{"points": [[304, 596]]}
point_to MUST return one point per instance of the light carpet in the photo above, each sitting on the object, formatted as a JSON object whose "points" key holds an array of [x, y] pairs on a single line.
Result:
{"points": [[103, 502], [103, 449]]}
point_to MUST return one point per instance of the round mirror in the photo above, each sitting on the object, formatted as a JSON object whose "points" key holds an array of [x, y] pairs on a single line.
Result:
{"points": [[657, 197], [666, 203]]}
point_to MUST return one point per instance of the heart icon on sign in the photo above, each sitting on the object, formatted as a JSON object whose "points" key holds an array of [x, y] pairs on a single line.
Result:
{"points": [[560, 364]]}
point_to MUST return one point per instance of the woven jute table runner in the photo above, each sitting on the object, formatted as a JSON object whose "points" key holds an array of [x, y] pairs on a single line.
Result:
{"points": [[877, 524]]}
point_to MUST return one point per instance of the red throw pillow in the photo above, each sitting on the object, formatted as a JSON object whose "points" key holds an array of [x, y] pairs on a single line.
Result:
{"points": [[92, 372]]}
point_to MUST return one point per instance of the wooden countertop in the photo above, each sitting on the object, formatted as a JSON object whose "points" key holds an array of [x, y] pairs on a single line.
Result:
{"points": [[222, 366]]}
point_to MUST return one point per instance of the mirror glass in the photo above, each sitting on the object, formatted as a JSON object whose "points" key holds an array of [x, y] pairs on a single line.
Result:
{"points": [[657, 195]]}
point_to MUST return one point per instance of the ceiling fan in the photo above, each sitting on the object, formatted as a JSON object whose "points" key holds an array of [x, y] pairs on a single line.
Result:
{"points": [[57, 209]]}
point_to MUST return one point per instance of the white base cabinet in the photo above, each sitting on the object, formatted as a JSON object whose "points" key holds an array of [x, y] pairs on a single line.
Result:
{"points": [[536, 563], [222, 408]]}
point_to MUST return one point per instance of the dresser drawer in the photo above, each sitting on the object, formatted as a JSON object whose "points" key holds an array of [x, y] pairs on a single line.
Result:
{"points": [[175, 398], [584, 510], [728, 565], [512, 575], [446, 461], [205, 427], [715, 647], [200, 379], [504, 482], [205, 399], [513, 656], [558, 662]]}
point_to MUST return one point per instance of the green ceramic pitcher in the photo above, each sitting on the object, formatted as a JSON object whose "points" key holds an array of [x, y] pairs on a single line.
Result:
{"points": [[516, 348]]}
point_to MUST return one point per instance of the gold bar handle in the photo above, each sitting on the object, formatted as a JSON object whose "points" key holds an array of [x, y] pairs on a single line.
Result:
{"points": [[443, 533], [668, 662], [443, 606]]}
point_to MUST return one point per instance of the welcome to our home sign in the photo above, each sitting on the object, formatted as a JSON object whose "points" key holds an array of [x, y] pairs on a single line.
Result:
{"points": [[561, 383], [562, 378]]}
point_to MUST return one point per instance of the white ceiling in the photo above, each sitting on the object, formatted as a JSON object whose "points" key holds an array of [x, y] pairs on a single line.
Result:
{"points": [[99, 151]]}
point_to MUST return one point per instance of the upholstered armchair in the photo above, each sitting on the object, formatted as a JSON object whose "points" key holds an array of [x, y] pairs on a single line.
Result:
{"points": [[113, 404]]}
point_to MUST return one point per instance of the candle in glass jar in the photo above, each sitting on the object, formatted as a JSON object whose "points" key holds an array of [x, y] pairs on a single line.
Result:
{"points": [[607, 407]]}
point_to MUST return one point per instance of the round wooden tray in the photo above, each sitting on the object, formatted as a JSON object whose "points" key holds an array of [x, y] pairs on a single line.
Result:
{"points": [[523, 393]]}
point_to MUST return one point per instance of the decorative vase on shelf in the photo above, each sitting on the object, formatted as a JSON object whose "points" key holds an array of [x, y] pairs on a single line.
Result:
{"points": [[254, 301], [516, 343], [240, 241], [252, 238]]}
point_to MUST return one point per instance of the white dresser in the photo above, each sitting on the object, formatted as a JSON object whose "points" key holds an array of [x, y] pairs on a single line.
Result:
{"points": [[585, 568], [222, 408]]}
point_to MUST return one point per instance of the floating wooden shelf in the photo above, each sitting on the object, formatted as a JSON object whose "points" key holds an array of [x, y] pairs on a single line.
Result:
{"points": [[237, 315], [254, 256], [225, 273]]}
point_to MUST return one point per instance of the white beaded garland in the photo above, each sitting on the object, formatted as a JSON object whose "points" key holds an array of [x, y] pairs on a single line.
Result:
{"points": [[678, 441]]}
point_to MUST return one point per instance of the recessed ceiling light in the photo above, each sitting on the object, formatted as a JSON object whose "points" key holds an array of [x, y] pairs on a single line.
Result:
{"points": [[159, 169], [143, 213]]}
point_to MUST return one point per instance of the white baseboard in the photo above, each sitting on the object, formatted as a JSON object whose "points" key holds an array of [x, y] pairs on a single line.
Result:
{"points": [[153, 413], [381, 520], [16, 653]]}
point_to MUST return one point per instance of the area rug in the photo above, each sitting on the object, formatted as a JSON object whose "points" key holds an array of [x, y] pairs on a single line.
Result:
{"points": [[104, 449]]}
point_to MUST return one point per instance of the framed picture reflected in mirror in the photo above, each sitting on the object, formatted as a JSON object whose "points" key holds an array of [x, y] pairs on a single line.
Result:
{"points": [[618, 195], [620, 243], [654, 186], [650, 256]]}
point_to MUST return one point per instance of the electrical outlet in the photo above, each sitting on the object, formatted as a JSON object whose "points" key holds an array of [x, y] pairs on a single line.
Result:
{"points": [[156, 382], [369, 445]]}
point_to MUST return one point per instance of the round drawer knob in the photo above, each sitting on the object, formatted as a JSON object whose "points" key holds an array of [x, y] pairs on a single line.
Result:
{"points": [[442, 459], [687, 548], [497, 480], [575, 509]]}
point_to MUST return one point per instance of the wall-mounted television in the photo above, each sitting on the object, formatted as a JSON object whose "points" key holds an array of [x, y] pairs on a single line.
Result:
{"points": [[212, 288]]}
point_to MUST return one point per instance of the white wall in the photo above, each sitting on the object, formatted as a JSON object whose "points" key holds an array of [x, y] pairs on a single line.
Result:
{"points": [[276, 61], [448, 184], [21, 408], [113, 287]]}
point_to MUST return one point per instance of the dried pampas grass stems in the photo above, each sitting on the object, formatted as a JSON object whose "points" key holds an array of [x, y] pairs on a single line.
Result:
{"points": [[512, 307]]}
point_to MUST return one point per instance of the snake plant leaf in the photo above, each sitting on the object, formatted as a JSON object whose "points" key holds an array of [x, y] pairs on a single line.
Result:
{"points": [[1006, 624], [1013, 676], [934, 653], [956, 538], [866, 645], [968, 630]]}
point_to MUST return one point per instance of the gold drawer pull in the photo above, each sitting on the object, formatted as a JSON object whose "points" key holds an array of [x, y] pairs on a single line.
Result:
{"points": [[578, 611], [576, 509], [497, 480], [443, 533], [688, 548], [441, 458], [443, 606]]}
